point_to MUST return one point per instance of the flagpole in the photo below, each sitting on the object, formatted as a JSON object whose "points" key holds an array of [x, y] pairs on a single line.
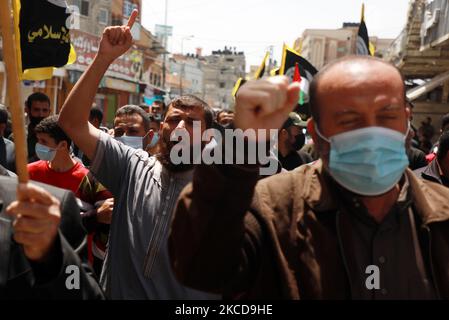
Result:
{"points": [[13, 85], [363, 12]]}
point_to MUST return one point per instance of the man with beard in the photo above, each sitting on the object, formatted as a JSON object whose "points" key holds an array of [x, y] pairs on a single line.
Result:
{"points": [[291, 140], [37, 106], [225, 118], [145, 188]]}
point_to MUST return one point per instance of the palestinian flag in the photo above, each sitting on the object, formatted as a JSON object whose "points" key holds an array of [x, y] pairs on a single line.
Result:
{"points": [[261, 71], [44, 37], [293, 63], [364, 47], [297, 78], [240, 82]]}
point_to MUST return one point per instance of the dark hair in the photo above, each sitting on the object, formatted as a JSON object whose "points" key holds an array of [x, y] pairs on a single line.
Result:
{"points": [[314, 108], [443, 145], [96, 113], [190, 101], [133, 109], [50, 126], [4, 115], [37, 96], [444, 121]]}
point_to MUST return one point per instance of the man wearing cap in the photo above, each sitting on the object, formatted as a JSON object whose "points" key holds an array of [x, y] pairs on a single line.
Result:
{"points": [[291, 139]]}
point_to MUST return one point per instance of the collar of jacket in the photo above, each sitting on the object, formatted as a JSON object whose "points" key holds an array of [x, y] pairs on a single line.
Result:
{"points": [[429, 199], [432, 172]]}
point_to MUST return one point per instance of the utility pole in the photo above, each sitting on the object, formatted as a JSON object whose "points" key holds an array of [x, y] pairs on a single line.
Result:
{"points": [[182, 67], [164, 63], [271, 61]]}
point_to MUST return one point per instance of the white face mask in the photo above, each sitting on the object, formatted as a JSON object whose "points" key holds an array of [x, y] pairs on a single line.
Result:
{"points": [[45, 153], [133, 142]]}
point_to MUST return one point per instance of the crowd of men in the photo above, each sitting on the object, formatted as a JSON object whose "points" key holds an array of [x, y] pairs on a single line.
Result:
{"points": [[113, 203]]}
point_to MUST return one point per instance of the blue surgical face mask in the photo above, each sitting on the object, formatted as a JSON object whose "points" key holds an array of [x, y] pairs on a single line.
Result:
{"points": [[154, 141], [368, 161], [133, 142], [45, 153]]}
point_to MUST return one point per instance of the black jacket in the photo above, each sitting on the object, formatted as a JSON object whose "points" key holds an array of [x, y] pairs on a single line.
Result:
{"points": [[21, 279], [416, 158], [432, 173]]}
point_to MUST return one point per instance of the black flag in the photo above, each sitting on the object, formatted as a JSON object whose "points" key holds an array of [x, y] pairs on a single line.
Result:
{"points": [[44, 37]]}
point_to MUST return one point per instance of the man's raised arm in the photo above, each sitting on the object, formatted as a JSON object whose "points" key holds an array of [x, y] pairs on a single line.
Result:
{"points": [[74, 117], [216, 244]]}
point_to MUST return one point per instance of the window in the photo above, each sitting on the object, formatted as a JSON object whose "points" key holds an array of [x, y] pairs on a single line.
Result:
{"points": [[103, 16], [128, 8], [83, 6], [222, 85], [116, 21]]}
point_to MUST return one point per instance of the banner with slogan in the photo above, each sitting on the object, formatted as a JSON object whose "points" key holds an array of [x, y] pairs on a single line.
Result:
{"points": [[43, 37], [128, 66]]}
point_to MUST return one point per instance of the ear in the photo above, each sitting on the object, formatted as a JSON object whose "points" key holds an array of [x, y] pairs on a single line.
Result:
{"points": [[283, 133], [63, 145], [150, 135], [408, 113]]}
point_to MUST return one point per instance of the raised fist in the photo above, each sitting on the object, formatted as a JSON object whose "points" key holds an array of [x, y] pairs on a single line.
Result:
{"points": [[117, 40], [265, 104]]}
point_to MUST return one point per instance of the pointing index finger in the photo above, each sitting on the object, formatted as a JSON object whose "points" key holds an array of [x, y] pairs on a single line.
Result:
{"points": [[132, 18]]}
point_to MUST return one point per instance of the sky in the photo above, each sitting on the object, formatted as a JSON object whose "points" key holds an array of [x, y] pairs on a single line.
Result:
{"points": [[254, 25]]}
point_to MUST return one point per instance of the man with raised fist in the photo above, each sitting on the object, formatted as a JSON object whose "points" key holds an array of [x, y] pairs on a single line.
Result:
{"points": [[145, 188], [357, 224]]}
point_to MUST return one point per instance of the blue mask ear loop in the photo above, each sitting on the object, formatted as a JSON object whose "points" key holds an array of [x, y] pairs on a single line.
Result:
{"points": [[409, 127], [318, 132]]}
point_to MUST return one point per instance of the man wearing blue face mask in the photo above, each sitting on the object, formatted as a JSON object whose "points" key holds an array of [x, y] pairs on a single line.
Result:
{"points": [[356, 224], [132, 128]]}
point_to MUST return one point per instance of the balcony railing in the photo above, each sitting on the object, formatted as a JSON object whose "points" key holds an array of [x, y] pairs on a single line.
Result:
{"points": [[397, 49], [435, 26]]}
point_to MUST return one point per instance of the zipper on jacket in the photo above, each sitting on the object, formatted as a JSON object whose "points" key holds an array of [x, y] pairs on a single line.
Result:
{"points": [[432, 269], [340, 243]]}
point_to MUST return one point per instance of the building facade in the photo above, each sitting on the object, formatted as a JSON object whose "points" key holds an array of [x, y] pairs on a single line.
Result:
{"points": [[221, 71], [185, 75], [130, 78], [322, 46]]}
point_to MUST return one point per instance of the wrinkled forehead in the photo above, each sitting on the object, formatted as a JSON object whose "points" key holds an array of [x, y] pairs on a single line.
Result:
{"points": [[128, 120], [189, 110]]}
